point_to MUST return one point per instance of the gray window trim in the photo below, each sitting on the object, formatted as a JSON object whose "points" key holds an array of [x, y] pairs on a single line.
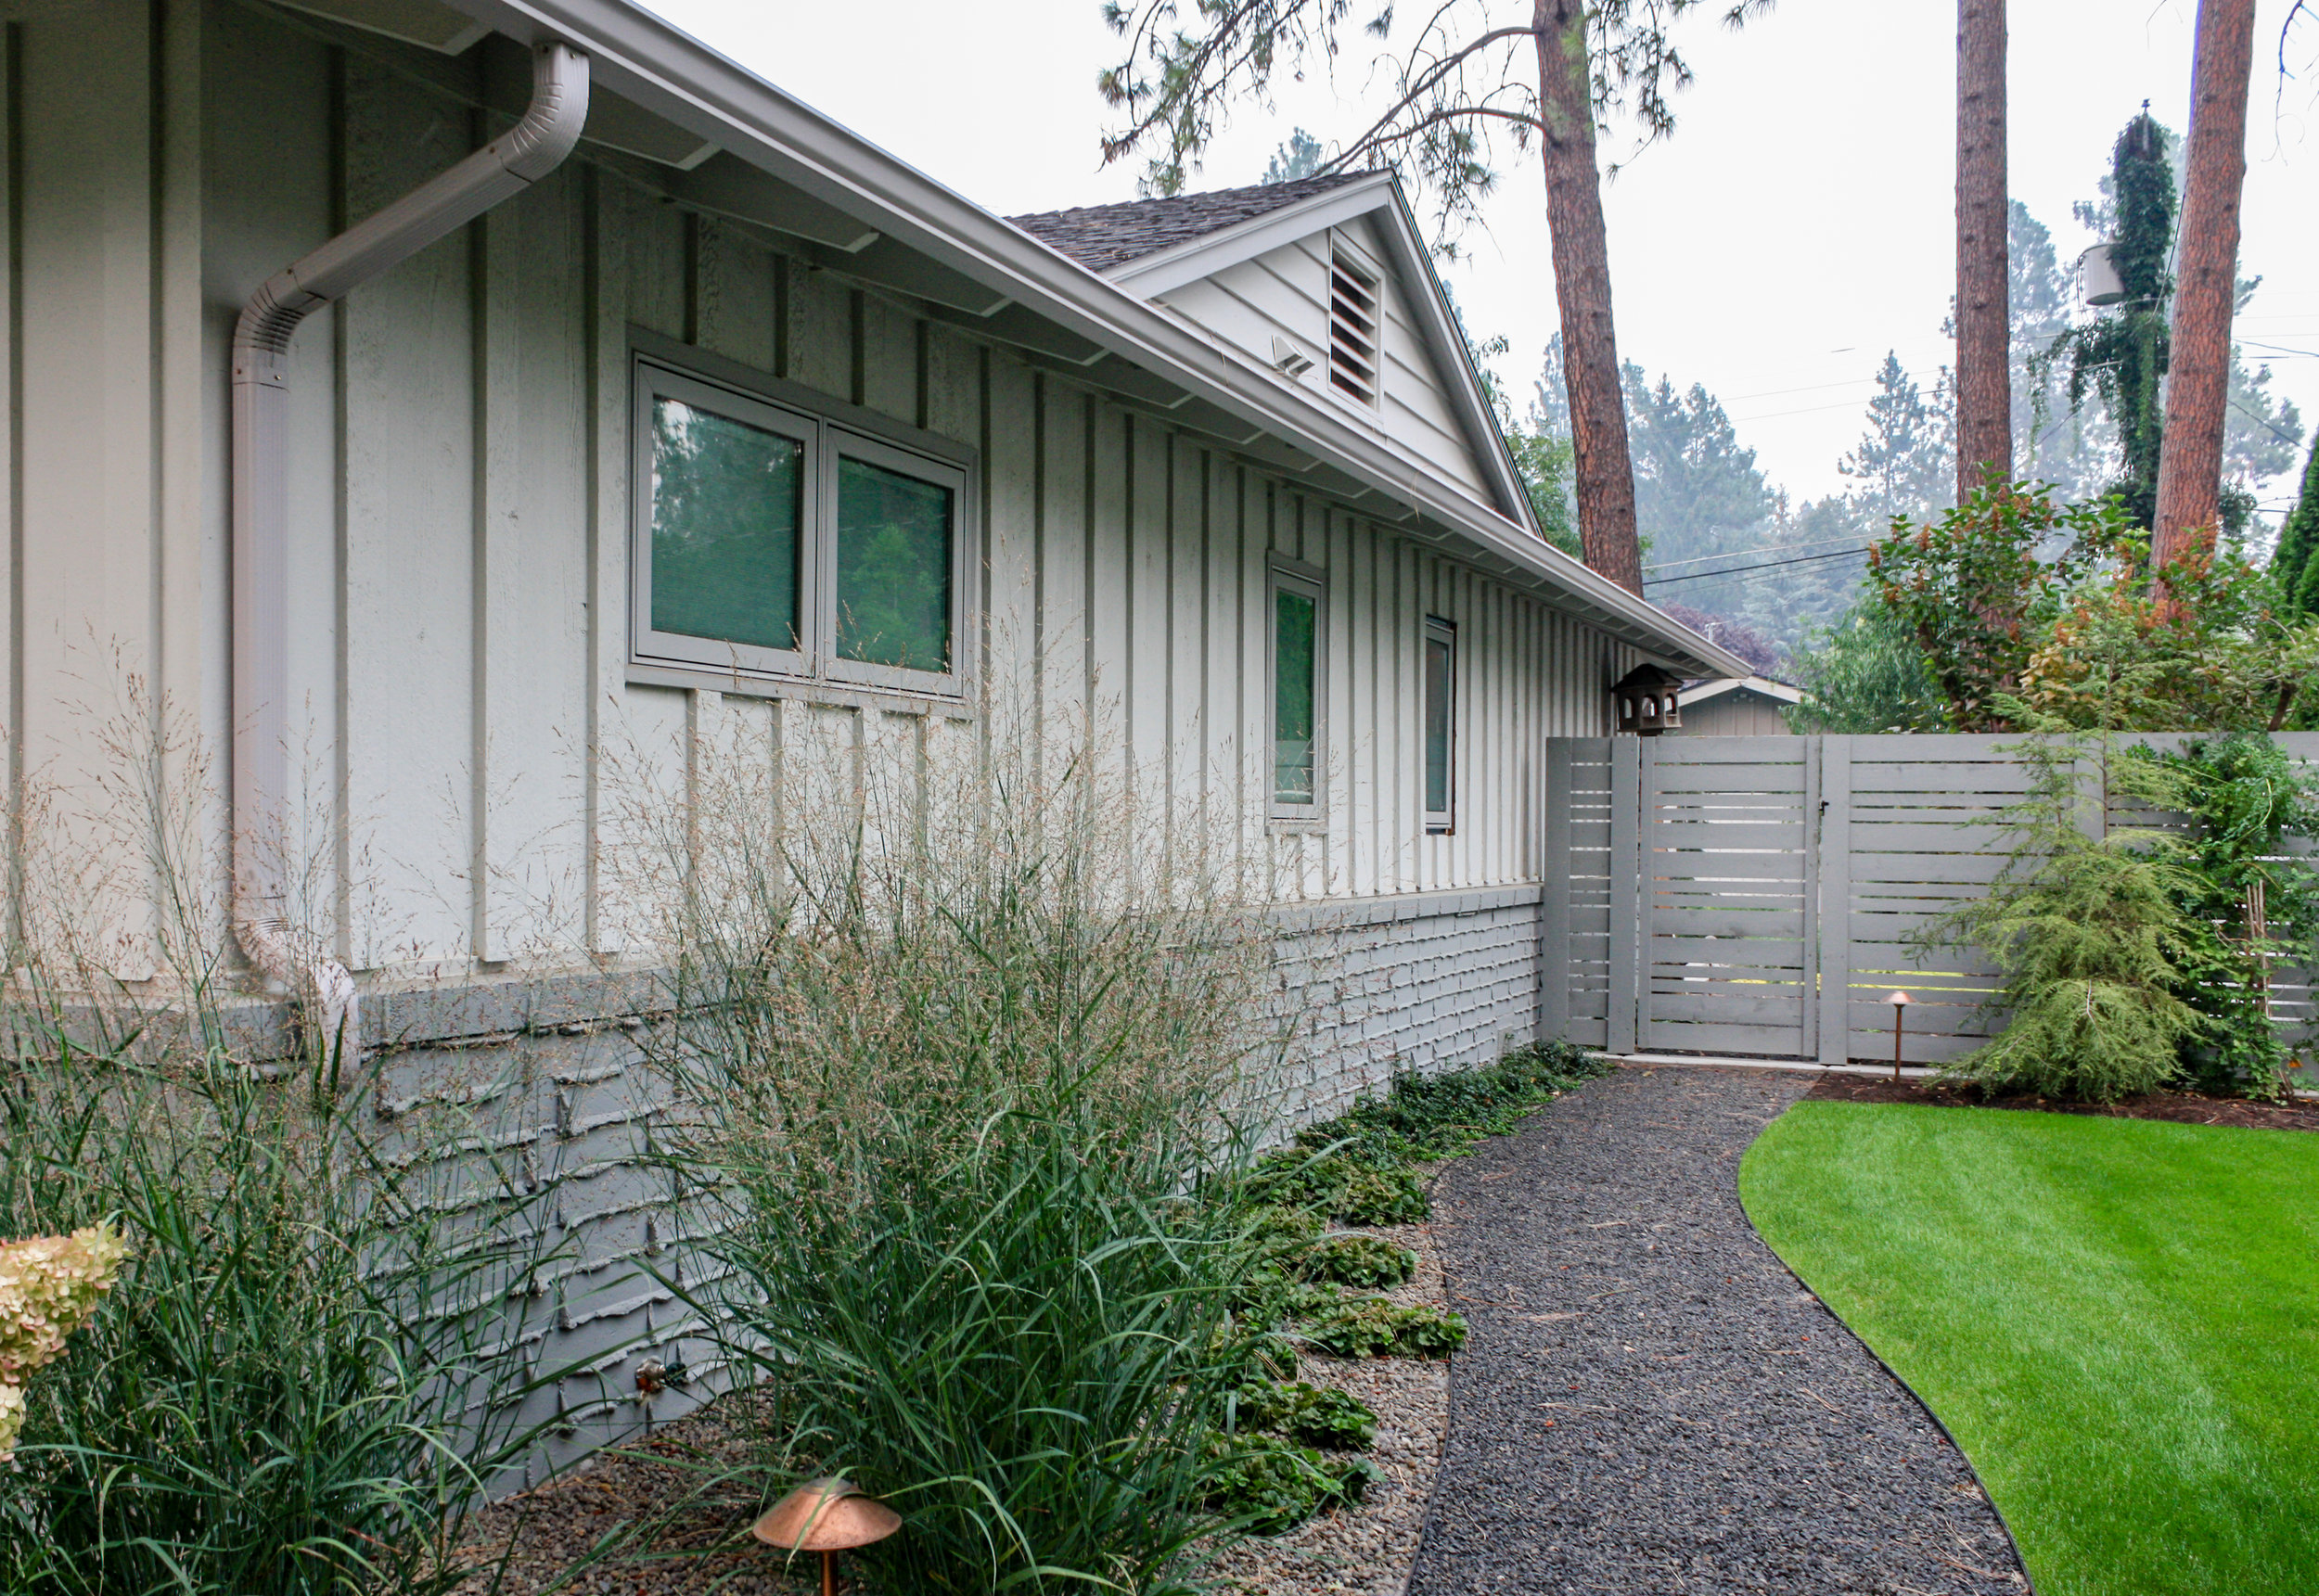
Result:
{"points": [[831, 429], [1295, 576], [1441, 822]]}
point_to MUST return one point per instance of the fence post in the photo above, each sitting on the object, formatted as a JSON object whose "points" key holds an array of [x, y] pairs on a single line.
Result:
{"points": [[1832, 844], [1627, 889], [1554, 910]]}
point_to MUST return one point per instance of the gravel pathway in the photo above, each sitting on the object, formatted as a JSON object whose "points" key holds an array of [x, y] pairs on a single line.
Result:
{"points": [[1649, 1401]]}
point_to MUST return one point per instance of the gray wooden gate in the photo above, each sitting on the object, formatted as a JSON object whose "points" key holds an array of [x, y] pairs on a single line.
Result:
{"points": [[1759, 896]]}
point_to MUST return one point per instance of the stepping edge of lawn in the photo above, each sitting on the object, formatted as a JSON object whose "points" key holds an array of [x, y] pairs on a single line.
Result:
{"points": [[2112, 1316]]}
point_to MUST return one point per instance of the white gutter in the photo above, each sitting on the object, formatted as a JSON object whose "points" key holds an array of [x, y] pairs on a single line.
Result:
{"points": [[673, 75], [286, 951]]}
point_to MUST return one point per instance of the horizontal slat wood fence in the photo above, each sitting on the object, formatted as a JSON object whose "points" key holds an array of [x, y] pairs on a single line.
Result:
{"points": [[1760, 896]]}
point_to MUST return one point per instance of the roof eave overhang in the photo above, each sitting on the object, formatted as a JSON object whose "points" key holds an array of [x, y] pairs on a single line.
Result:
{"points": [[676, 76]]}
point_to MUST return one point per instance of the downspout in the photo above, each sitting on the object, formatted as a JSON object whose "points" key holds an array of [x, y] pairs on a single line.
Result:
{"points": [[286, 954]]}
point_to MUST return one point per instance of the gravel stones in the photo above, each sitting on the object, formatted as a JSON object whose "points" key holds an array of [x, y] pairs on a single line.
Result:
{"points": [[1649, 1401]]}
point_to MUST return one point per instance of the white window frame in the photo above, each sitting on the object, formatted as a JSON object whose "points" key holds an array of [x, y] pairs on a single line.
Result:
{"points": [[1295, 576], [1444, 820], [831, 430]]}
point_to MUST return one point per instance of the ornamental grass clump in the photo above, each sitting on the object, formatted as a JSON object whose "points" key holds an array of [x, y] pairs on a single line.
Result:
{"points": [[309, 1359], [962, 1052]]}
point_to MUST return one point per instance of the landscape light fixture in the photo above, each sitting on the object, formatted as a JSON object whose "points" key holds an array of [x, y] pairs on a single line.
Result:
{"points": [[1900, 1002], [828, 1516]]}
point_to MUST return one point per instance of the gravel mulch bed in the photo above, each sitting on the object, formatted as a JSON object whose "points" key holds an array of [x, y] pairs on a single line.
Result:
{"points": [[553, 1527], [1649, 1400], [1367, 1547], [2186, 1107]]}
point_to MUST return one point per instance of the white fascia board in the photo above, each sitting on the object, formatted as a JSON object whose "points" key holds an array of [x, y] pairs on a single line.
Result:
{"points": [[1759, 684], [668, 72]]}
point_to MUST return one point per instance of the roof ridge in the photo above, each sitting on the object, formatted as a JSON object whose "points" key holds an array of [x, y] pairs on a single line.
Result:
{"points": [[1100, 236]]}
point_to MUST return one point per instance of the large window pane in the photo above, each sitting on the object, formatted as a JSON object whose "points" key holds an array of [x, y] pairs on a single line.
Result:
{"points": [[726, 501], [1295, 704], [894, 568], [1437, 724]]}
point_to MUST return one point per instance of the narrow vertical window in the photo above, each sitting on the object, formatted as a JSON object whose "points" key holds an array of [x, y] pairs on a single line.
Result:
{"points": [[1296, 672], [1441, 723]]}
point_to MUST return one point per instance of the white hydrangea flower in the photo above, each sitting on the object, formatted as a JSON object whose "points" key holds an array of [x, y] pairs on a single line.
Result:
{"points": [[11, 1419], [50, 1287]]}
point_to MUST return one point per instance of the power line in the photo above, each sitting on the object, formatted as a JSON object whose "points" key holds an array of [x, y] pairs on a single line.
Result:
{"points": [[1729, 554], [1764, 564]]}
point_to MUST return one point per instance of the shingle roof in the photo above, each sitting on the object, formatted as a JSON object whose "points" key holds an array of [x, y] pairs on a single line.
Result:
{"points": [[1101, 237]]}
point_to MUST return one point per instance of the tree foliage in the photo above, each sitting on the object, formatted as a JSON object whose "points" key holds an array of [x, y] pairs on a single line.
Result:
{"points": [[2087, 926], [1457, 86], [1970, 586], [2249, 901], [2122, 354], [2292, 568], [1865, 673]]}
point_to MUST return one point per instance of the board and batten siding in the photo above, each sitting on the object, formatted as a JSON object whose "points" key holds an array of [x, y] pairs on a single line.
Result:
{"points": [[1285, 291], [460, 506]]}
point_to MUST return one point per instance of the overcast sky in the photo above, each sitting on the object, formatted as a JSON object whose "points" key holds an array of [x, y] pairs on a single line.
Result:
{"points": [[1798, 223]]}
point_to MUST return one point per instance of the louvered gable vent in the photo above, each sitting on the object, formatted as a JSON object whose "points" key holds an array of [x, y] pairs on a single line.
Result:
{"points": [[1352, 324]]}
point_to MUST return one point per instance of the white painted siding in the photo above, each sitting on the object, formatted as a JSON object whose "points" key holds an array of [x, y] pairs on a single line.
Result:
{"points": [[460, 507], [1285, 291]]}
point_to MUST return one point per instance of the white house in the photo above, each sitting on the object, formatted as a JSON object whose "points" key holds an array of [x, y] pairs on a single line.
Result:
{"points": [[411, 529]]}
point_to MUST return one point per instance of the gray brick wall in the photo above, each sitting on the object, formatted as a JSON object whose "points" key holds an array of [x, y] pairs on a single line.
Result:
{"points": [[552, 1076]]}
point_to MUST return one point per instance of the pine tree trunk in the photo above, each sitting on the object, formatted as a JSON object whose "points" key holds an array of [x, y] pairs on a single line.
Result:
{"points": [[1984, 384], [2198, 381], [1602, 473]]}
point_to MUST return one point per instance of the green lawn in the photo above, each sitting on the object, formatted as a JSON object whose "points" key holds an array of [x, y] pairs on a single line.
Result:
{"points": [[2118, 1318]]}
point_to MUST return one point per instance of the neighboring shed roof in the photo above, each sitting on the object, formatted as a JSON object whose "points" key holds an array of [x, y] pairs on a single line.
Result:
{"points": [[1101, 237], [1717, 687]]}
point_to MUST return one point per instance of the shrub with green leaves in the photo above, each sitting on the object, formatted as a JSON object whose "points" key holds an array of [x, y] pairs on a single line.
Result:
{"points": [[1371, 1327], [2088, 929], [1269, 1486], [1349, 1257], [1312, 1415]]}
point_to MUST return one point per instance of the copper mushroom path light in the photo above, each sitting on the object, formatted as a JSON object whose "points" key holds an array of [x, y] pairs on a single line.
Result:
{"points": [[828, 1517], [1900, 1002]]}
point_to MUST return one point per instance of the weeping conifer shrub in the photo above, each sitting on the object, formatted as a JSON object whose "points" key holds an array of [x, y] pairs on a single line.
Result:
{"points": [[311, 1363], [2086, 924], [966, 1033]]}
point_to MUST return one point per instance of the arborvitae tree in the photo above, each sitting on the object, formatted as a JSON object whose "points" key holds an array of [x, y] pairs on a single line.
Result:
{"points": [[2294, 568]]}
